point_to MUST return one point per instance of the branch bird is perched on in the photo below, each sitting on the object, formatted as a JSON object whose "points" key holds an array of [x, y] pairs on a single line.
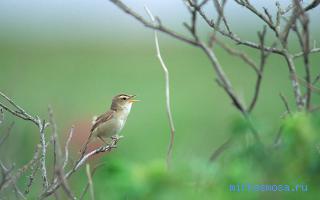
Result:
{"points": [[109, 124]]}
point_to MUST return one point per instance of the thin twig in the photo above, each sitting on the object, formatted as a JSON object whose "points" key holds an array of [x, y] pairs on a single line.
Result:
{"points": [[18, 193], [43, 155], [158, 27], [277, 140], [308, 85], [56, 145], [92, 174], [88, 172], [263, 17], [66, 147], [221, 149], [64, 184], [222, 80], [192, 28], [285, 102], [315, 81], [34, 169], [232, 36], [19, 112], [41, 124], [12, 178], [220, 11], [286, 30], [6, 134], [312, 5], [263, 58], [1, 115], [6, 175], [304, 39], [239, 54], [167, 92], [82, 160], [314, 50], [295, 84]]}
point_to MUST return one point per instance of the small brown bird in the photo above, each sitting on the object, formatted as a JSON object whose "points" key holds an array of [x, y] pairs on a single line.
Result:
{"points": [[110, 123]]}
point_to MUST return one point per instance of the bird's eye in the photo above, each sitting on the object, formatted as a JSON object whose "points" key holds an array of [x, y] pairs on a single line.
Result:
{"points": [[124, 98]]}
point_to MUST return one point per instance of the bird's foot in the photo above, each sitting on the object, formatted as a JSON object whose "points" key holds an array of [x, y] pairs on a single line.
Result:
{"points": [[116, 137]]}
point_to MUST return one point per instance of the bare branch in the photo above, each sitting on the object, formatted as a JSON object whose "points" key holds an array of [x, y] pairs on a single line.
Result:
{"points": [[1, 115], [315, 81], [80, 163], [6, 134], [19, 194], [285, 102], [314, 50], [192, 28], [220, 11], [222, 79], [304, 39], [34, 169], [167, 92], [158, 27], [56, 146], [295, 84], [19, 112], [41, 124], [278, 16], [12, 178], [43, 154], [308, 85], [6, 175], [277, 140], [292, 20], [91, 174], [312, 5], [224, 82], [267, 19], [88, 172], [263, 58], [66, 148], [64, 184], [221, 149], [203, 3], [232, 36], [239, 54]]}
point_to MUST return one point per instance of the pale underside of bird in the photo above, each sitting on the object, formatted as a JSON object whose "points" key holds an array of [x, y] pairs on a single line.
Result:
{"points": [[110, 124]]}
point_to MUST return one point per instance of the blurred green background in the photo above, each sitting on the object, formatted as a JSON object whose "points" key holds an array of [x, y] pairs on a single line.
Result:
{"points": [[76, 59]]}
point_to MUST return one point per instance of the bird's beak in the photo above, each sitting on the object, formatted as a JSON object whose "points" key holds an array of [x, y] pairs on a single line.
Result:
{"points": [[133, 100]]}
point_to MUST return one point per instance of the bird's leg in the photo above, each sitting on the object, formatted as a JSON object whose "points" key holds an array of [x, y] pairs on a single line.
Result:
{"points": [[102, 140], [116, 138]]}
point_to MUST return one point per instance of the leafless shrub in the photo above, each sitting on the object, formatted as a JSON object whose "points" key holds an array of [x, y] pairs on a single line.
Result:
{"points": [[59, 176], [291, 19]]}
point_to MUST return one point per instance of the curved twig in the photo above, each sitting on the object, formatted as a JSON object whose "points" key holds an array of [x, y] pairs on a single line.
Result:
{"points": [[167, 92]]}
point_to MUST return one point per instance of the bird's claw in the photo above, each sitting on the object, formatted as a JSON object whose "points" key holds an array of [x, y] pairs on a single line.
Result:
{"points": [[117, 137]]}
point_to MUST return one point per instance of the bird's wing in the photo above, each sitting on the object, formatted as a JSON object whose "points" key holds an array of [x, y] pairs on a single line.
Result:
{"points": [[101, 119]]}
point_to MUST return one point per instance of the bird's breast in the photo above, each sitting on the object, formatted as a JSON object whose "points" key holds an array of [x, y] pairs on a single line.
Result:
{"points": [[115, 124]]}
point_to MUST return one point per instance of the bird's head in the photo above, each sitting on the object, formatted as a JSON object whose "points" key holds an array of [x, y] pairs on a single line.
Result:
{"points": [[122, 101]]}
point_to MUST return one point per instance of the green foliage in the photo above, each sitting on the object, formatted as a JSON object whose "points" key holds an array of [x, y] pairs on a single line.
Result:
{"points": [[295, 161]]}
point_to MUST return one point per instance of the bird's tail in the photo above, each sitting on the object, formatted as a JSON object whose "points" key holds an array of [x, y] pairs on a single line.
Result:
{"points": [[85, 145]]}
